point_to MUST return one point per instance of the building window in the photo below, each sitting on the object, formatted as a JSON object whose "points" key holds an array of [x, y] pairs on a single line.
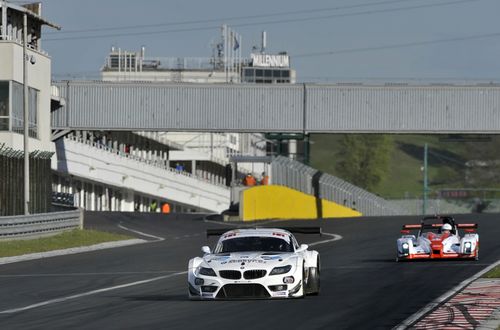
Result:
{"points": [[18, 112], [4, 105], [266, 75], [249, 73]]}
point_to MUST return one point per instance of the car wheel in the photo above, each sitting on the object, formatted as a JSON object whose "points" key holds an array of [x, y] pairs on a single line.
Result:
{"points": [[313, 281], [477, 255], [304, 281]]}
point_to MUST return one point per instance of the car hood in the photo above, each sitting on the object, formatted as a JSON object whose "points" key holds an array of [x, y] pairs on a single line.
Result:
{"points": [[249, 260]]}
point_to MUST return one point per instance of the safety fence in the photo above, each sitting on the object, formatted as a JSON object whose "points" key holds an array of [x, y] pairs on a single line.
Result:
{"points": [[295, 175], [446, 206], [12, 181], [38, 225]]}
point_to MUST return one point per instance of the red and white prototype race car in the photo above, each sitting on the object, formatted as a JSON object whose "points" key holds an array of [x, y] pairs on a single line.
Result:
{"points": [[438, 237]]}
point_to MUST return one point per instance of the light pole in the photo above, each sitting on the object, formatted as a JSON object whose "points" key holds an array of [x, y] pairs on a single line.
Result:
{"points": [[426, 188], [26, 120]]}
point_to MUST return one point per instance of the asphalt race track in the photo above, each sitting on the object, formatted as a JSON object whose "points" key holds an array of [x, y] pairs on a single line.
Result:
{"points": [[362, 287]]}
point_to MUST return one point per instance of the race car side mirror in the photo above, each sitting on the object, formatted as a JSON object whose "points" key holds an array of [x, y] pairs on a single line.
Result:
{"points": [[205, 249], [302, 247], [405, 231]]}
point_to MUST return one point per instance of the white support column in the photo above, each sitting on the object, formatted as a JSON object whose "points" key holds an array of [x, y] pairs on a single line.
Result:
{"points": [[82, 196], [105, 201], [99, 203], [4, 21], [292, 149], [193, 167], [128, 201], [92, 205]]}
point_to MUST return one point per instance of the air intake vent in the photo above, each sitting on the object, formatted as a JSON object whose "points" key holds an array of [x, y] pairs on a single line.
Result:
{"points": [[243, 291], [255, 273], [230, 274]]}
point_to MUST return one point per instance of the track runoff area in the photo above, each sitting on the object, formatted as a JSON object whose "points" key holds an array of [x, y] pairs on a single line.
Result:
{"points": [[145, 285]]}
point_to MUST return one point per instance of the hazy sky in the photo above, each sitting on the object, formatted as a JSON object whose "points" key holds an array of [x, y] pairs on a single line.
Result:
{"points": [[328, 40]]}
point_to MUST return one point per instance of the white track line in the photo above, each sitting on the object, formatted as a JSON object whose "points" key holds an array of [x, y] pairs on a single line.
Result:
{"points": [[415, 317], [87, 274], [141, 233], [62, 299], [81, 249], [335, 238]]}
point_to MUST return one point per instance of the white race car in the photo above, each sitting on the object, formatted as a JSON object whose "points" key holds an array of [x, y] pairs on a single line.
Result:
{"points": [[255, 263]]}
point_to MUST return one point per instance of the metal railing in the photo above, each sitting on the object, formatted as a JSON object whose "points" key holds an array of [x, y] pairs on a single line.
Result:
{"points": [[293, 174], [38, 225], [12, 184]]}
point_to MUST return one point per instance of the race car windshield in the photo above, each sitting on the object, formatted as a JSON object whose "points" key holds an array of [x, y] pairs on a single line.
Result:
{"points": [[435, 230], [252, 244]]}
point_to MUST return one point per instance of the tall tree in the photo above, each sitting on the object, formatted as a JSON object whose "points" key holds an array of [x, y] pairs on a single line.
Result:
{"points": [[365, 159]]}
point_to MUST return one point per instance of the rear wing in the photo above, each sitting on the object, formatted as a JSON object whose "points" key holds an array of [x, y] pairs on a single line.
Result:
{"points": [[407, 227], [293, 230], [467, 225], [421, 226], [437, 225]]}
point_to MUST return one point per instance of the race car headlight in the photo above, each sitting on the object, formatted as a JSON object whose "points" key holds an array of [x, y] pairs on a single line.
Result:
{"points": [[467, 247], [280, 270], [406, 246], [206, 271]]}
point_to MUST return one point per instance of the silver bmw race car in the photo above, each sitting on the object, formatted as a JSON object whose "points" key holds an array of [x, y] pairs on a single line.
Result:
{"points": [[255, 263]]}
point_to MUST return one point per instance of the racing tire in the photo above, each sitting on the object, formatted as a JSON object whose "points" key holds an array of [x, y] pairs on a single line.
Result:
{"points": [[476, 258], [304, 285], [313, 282]]}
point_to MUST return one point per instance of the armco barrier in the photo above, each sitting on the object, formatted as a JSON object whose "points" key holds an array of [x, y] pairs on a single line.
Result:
{"points": [[38, 225], [295, 175]]}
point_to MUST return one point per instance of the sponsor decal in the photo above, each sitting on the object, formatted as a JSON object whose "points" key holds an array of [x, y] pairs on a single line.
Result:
{"points": [[247, 261], [279, 294], [204, 294], [271, 257], [220, 258]]}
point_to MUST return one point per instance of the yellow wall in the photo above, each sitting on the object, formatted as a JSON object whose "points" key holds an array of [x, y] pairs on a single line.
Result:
{"points": [[278, 202]]}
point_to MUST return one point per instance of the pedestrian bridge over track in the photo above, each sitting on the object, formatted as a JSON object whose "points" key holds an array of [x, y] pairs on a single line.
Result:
{"points": [[298, 108]]}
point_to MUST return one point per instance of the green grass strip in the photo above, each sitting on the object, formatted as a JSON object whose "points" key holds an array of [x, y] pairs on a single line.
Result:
{"points": [[69, 239], [494, 273]]}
